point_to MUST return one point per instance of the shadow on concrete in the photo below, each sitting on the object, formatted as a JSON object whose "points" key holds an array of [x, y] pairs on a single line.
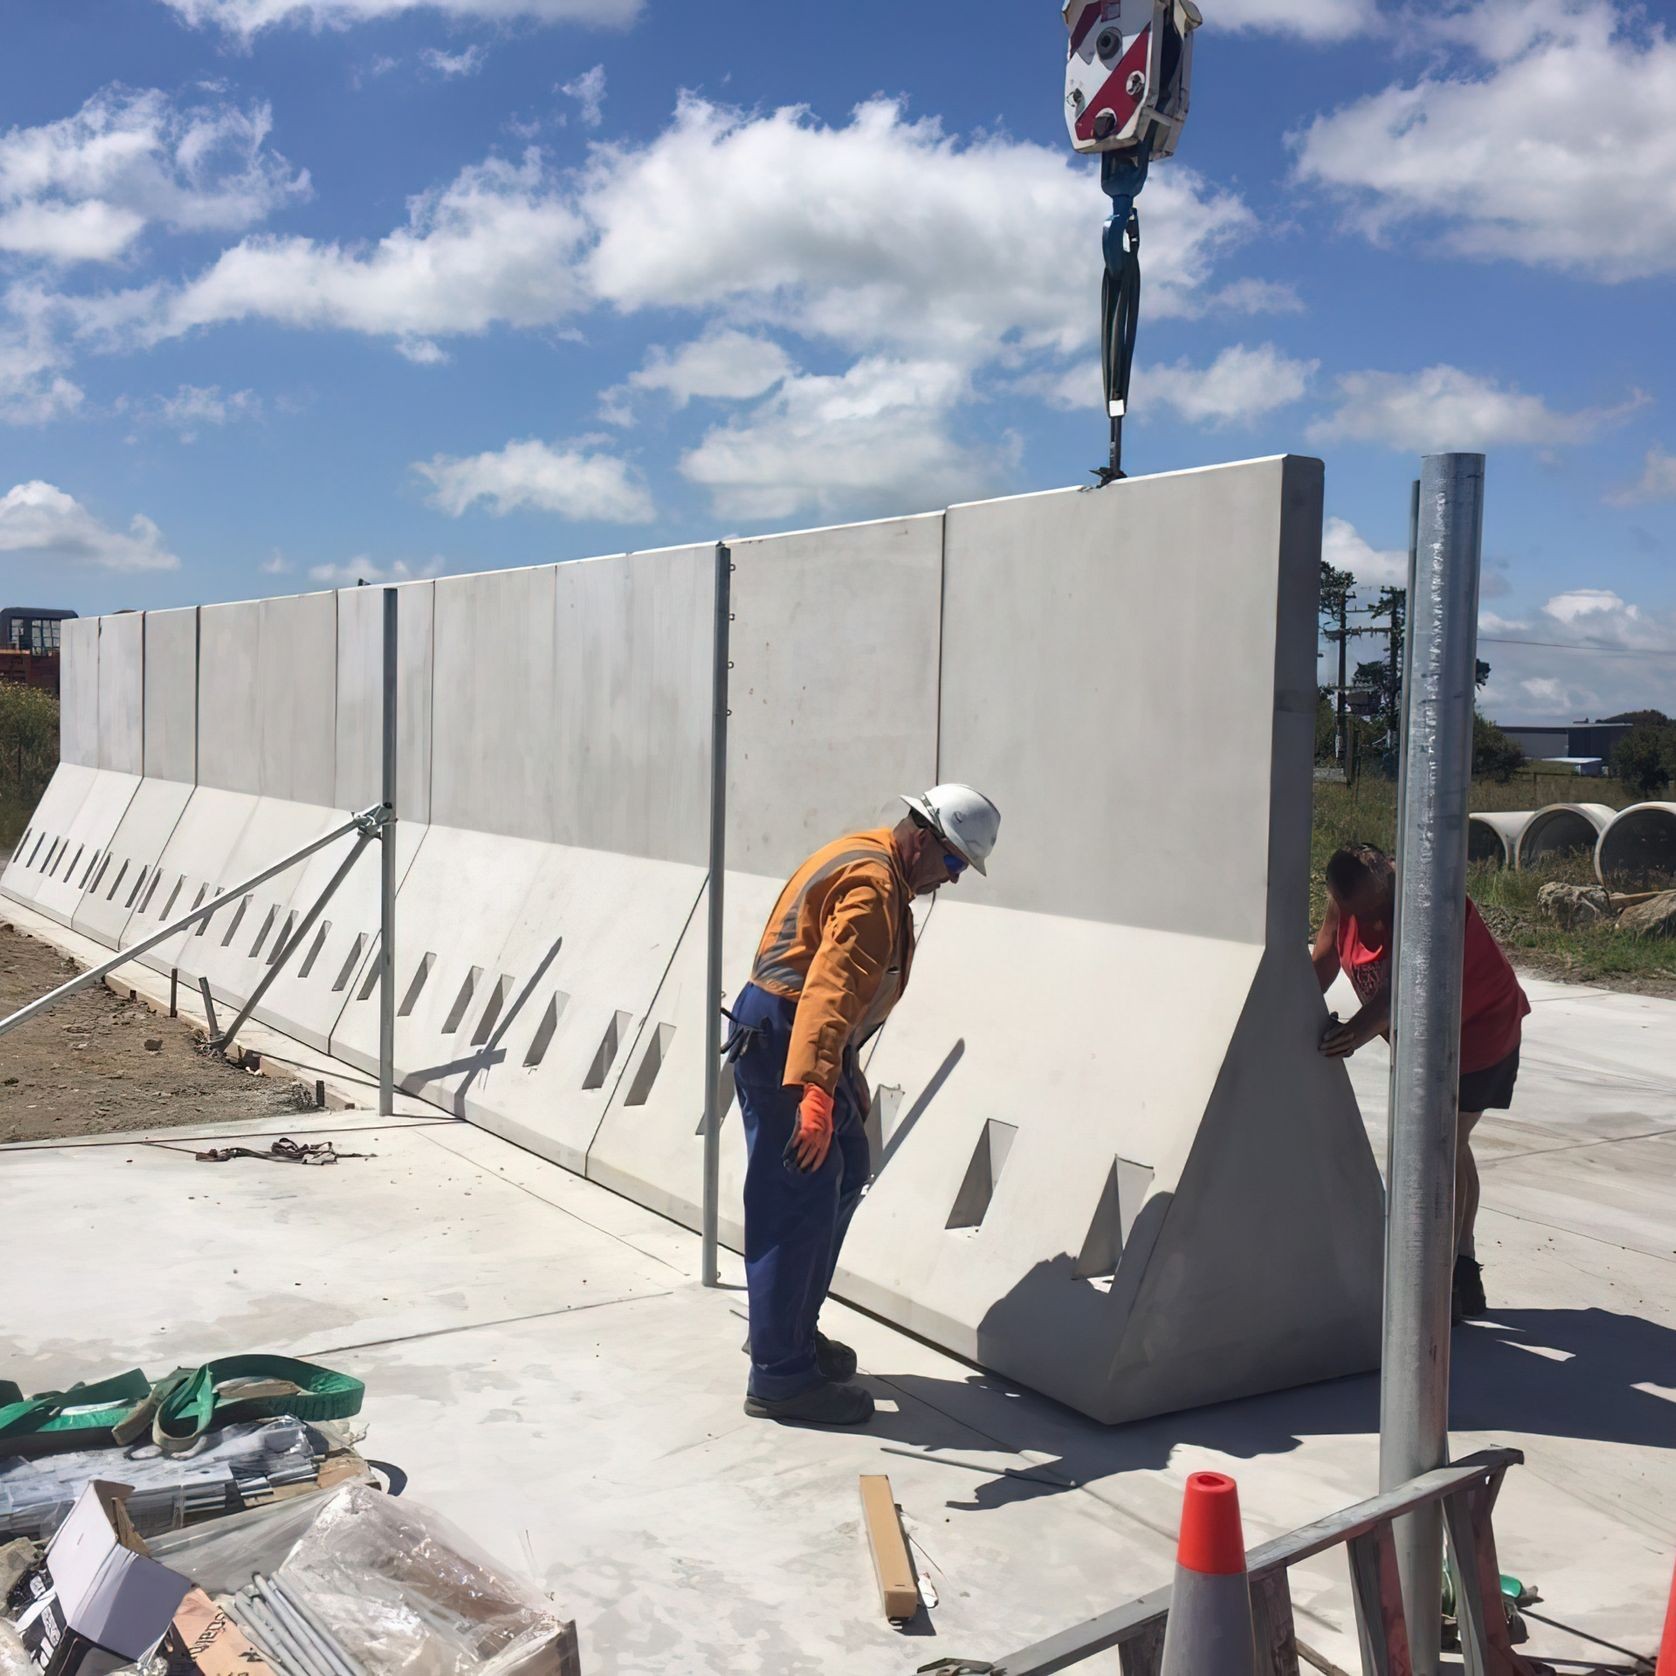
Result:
{"points": [[1565, 1373], [1555, 1373], [491, 1053], [920, 1106]]}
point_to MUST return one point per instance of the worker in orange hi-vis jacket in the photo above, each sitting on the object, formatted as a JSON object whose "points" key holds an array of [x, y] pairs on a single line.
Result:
{"points": [[833, 962]]}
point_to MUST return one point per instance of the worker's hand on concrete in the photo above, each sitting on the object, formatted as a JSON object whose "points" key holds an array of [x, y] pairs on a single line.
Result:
{"points": [[1339, 1041], [812, 1138]]}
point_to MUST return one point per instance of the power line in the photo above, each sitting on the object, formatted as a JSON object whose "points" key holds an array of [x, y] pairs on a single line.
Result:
{"points": [[1583, 646]]}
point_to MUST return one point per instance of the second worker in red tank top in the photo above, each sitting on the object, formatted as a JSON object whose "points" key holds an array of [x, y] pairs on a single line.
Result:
{"points": [[1355, 938]]}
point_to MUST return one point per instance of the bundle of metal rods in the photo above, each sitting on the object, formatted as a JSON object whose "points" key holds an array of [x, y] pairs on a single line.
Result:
{"points": [[203, 1490], [286, 1631]]}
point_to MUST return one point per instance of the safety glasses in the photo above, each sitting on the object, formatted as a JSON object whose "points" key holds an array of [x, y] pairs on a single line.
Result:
{"points": [[956, 864]]}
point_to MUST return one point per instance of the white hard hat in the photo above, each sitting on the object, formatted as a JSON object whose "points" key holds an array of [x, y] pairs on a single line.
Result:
{"points": [[964, 819]]}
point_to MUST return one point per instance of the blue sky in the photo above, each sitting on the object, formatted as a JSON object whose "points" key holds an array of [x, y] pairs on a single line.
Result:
{"points": [[298, 291]]}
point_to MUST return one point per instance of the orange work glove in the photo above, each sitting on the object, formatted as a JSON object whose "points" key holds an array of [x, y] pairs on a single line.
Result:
{"points": [[812, 1138]]}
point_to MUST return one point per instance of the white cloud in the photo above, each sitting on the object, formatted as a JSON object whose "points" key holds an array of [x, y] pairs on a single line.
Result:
{"points": [[245, 18], [40, 521], [1600, 603], [571, 480], [352, 572], [1240, 385], [84, 188], [1444, 407], [1313, 20], [884, 233], [33, 388], [1259, 296], [1345, 548], [873, 438], [588, 90], [1593, 653], [1559, 153], [451, 64], [1656, 482], [723, 365], [496, 245], [275, 564], [194, 406]]}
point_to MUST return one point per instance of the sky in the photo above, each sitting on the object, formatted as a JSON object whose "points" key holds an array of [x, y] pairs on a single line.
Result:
{"points": [[295, 293]]}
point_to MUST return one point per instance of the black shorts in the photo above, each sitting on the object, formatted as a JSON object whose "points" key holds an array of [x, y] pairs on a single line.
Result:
{"points": [[1492, 1088]]}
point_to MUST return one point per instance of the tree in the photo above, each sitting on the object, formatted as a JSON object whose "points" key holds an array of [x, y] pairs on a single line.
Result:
{"points": [[1646, 758], [1494, 755], [1642, 718], [1338, 588]]}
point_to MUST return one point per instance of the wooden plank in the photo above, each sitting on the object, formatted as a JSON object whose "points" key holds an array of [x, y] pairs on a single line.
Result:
{"points": [[1143, 1653], [1379, 1612], [1271, 1615], [1486, 1644], [898, 1587]]}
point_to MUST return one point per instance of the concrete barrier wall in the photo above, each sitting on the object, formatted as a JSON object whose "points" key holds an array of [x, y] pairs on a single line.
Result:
{"points": [[1101, 1094], [100, 748]]}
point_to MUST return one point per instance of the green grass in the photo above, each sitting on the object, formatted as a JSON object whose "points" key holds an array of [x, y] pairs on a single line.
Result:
{"points": [[1367, 813]]}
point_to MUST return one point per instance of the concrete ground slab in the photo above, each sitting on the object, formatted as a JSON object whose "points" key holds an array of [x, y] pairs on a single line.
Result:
{"points": [[602, 1448]]}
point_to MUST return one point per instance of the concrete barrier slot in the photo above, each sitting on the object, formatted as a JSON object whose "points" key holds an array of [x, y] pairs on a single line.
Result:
{"points": [[545, 1031], [651, 1062], [462, 1001], [605, 1056], [321, 933], [416, 985], [498, 997], [350, 964]]}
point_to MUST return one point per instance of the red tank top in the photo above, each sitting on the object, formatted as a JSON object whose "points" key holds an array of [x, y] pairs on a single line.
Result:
{"points": [[1492, 1003]]}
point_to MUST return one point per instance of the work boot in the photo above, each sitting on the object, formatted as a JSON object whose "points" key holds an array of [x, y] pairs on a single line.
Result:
{"points": [[833, 1360], [836, 1361], [1467, 1299], [825, 1404]]}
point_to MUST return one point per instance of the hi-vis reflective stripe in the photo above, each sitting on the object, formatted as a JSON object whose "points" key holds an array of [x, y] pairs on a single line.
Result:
{"points": [[769, 963]]}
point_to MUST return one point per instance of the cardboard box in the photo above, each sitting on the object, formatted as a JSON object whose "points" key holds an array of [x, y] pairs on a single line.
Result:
{"points": [[101, 1602]]}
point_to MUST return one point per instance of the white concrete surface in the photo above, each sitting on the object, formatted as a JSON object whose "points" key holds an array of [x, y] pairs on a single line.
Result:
{"points": [[78, 719], [171, 695], [543, 1368], [359, 765], [122, 693]]}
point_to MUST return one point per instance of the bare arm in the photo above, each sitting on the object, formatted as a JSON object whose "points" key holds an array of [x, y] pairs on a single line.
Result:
{"points": [[1325, 952]]}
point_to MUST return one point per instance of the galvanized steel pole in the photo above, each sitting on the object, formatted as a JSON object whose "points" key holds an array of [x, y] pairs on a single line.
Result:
{"points": [[1402, 765], [1426, 992], [710, 1269], [387, 875]]}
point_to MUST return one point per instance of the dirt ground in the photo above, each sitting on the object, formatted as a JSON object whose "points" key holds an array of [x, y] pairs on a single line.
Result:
{"points": [[84, 1067]]}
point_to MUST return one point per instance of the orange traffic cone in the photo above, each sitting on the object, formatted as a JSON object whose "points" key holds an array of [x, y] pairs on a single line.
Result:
{"points": [[1667, 1647], [1208, 1632]]}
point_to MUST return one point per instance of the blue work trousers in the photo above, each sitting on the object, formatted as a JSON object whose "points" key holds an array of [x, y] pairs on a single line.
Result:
{"points": [[794, 1223]]}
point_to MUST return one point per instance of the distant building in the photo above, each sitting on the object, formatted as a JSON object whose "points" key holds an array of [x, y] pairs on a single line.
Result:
{"points": [[1591, 767], [1567, 739]]}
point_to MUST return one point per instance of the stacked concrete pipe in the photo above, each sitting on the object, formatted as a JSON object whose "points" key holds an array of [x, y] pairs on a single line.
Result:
{"points": [[1495, 836], [1638, 845], [1562, 829]]}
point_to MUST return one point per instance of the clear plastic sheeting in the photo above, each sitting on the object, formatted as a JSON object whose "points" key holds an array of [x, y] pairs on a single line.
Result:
{"points": [[398, 1591], [239, 1466]]}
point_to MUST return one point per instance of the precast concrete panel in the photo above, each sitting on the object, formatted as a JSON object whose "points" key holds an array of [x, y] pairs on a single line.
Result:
{"points": [[316, 980], [67, 838], [135, 848], [122, 693], [649, 1147], [267, 697], [221, 839], [78, 692], [171, 695], [833, 686], [634, 651], [360, 699], [494, 732], [1078, 623]]}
